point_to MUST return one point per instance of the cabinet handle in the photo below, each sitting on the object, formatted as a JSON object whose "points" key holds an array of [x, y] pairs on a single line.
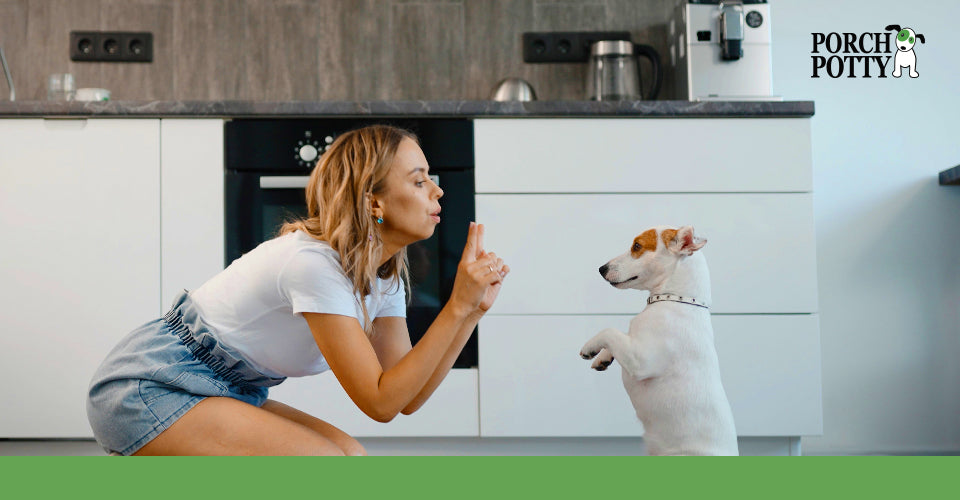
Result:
{"points": [[283, 181], [64, 123]]}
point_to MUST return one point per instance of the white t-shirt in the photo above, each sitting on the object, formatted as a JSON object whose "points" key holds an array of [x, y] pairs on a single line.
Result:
{"points": [[253, 306]]}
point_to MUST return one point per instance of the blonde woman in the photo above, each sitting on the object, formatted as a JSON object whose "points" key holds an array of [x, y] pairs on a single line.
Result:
{"points": [[195, 381]]}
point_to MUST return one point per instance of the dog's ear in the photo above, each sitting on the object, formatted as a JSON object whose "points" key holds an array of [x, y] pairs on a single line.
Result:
{"points": [[685, 242], [893, 27], [920, 37]]}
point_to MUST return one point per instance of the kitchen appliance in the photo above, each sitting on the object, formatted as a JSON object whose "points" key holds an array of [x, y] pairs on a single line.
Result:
{"points": [[513, 89], [613, 73], [720, 50], [268, 162]]}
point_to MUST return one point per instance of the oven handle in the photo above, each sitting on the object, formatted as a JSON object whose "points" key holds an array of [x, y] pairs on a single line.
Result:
{"points": [[283, 181], [299, 181]]}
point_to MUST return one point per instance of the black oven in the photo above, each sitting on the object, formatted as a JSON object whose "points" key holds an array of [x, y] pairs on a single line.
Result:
{"points": [[267, 165]]}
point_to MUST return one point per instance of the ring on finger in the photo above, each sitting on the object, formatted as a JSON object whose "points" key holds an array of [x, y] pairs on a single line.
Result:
{"points": [[491, 269]]}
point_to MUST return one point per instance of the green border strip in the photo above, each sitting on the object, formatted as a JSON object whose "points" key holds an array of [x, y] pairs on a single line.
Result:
{"points": [[458, 478]]}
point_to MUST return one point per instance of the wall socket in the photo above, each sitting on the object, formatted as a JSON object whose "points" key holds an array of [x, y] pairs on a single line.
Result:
{"points": [[564, 46], [111, 46]]}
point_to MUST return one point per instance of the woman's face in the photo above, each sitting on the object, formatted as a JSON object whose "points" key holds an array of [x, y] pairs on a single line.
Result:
{"points": [[409, 203]]}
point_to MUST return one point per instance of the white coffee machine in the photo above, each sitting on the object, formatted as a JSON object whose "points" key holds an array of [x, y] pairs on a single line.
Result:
{"points": [[720, 50]]}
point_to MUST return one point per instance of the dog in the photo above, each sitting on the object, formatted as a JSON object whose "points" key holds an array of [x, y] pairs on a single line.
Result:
{"points": [[906, 39], [668, 359]]}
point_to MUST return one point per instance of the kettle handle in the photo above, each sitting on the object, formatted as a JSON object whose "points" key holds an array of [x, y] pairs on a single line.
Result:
{"points": [[651, 54]]}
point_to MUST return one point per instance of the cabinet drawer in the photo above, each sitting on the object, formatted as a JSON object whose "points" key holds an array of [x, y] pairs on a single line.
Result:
{"points": [[451, 410], [634, 155], [760, 250], [534, 383]]}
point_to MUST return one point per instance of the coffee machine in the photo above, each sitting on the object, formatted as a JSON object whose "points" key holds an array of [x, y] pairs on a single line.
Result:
{"points": [[720, 50]]}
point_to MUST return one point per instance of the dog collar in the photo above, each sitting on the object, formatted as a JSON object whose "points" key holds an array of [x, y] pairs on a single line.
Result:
{"points": [[675, 298]]}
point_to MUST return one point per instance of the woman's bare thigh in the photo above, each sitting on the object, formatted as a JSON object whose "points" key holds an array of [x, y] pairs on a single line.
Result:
{"points": [[226, 426], [349, 445]]}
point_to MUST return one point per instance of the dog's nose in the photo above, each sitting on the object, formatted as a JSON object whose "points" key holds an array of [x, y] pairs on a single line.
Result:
{"points": [[603, 270]]}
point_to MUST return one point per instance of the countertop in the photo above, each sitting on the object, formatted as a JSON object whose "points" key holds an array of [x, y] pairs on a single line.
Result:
{"points": [[950, 177], [466, 109]]}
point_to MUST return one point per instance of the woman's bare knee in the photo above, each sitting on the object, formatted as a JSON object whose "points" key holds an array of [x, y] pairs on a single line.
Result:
{"points": [[350, 446]]}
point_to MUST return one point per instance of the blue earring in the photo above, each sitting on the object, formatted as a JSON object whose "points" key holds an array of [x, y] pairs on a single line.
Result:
{"points": [[379, 220]]}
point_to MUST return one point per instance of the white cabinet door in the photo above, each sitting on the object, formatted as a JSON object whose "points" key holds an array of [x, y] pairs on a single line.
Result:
{"points": [[79, 263], [534, 383], [618, 155], [760, 248], [450, 411], [192, 202]]}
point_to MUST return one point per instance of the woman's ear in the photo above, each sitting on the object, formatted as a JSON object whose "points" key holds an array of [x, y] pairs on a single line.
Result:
{"points": [[375, 207]]}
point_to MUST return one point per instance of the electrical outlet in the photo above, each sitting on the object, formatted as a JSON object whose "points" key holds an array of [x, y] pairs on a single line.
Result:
{"points": [[564, 46], [111, 46]]}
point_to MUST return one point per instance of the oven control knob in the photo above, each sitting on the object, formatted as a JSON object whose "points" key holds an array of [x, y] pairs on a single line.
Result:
{"points": [[308, 152]]}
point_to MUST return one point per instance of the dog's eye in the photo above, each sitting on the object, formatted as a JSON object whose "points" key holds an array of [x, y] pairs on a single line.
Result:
{"points": [[636, 247]]}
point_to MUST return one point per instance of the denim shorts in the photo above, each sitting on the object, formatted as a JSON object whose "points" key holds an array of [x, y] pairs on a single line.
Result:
{"points": [[160, 371]]}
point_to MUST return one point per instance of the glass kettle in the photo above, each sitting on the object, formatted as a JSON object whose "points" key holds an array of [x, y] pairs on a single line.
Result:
{"points": [[613, 73]]}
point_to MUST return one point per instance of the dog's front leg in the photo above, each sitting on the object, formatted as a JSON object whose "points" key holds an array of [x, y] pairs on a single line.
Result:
{"points": [[602, 361], [605, 346], [618, 345]]}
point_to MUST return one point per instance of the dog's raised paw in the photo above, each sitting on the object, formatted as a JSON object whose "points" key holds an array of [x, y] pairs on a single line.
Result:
{"points": [[588, 355]]}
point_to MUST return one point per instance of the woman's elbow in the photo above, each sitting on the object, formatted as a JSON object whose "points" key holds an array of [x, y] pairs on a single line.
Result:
{"points": [[382, 415], [411, 408]]}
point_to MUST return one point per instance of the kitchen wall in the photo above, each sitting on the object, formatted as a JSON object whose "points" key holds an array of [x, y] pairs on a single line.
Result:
{"points": [[316, 49], [888, 236]]}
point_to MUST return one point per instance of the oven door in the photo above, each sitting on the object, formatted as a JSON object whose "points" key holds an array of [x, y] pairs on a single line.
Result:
{"points": [[258, 204]]}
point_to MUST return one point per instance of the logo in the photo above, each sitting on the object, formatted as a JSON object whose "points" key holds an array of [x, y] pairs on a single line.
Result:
{"points": [[854, 56]]}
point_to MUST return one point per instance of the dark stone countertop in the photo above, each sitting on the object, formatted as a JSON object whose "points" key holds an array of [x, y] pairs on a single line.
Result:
{"points": [[467, 109], [950, 177]]}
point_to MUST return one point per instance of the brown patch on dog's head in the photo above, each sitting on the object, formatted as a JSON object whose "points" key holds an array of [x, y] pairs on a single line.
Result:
{"points": [[646, 242], [668, 235]]}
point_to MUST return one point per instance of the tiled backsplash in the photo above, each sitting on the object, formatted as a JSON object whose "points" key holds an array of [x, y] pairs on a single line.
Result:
{"points": [[317, 49]]}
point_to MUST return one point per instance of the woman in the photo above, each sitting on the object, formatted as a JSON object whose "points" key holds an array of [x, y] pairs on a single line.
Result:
{"points": [[195, 382]]}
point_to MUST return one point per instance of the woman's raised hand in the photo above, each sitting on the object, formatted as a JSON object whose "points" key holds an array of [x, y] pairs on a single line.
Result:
{"points": [[479, 275]]}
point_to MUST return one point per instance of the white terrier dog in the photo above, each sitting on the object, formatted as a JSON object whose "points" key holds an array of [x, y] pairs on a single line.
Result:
{"points": [[668, 359]]}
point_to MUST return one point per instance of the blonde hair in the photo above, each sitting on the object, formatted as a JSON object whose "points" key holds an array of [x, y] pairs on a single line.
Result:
{"points": [[339, 211]]}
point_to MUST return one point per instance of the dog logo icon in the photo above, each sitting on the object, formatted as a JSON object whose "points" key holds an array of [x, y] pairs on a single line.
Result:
{"points": [[906, 39]]}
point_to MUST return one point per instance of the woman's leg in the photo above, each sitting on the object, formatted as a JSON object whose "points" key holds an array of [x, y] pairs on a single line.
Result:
{"points": [[226, 426], [349, 445]]}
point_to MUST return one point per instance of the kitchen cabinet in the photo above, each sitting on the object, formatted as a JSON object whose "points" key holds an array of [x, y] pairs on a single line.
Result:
{"points": [[107, 219], [663, 155], [191, 203], [756, 242], [562, 197], [80, 261]]}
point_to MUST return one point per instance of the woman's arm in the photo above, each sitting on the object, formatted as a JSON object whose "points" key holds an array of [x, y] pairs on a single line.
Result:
{"points": [[466, 329], [392, 339], [382, 392]]}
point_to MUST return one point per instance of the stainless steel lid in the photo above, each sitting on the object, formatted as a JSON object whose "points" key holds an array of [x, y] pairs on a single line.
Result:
{"points": [[612, 47], [513, 89]]}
